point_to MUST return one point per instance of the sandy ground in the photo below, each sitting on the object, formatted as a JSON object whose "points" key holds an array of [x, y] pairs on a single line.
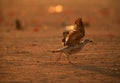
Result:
{"points": [[25, 56]]}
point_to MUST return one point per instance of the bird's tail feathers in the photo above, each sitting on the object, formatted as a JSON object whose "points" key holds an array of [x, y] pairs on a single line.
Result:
{"points": [[55, 51], [58, 50]]}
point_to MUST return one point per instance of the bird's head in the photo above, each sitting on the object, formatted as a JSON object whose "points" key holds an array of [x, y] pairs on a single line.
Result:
{"points": [[87, 40]]}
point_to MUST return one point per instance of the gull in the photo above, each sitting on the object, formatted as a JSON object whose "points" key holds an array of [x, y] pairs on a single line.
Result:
{"points": [[75, 33], [69, 50]]}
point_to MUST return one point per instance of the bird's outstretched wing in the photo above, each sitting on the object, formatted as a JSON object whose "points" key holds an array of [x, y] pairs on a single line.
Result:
{"points": [[74, 36]]}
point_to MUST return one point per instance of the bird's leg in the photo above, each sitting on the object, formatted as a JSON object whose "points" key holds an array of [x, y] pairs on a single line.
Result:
{"points": [[68, 58], [59, 57]]}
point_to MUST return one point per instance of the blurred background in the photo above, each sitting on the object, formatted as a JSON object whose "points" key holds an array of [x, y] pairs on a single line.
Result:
{"points": [[58, 13], [31, 29]]}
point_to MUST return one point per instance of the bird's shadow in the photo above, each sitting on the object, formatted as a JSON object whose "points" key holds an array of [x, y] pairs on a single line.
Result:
{"points": [[104, 71], [100, 70]]}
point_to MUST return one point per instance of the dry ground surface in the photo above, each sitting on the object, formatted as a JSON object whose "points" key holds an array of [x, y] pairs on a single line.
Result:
{"points": [[25, 56]]}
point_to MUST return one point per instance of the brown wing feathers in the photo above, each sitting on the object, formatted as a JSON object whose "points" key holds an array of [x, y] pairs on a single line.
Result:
{"points": [[73, 37]]}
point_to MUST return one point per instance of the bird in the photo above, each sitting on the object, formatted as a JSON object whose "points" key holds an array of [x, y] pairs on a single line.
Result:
{"points": [[75, 34], [69, 50]]}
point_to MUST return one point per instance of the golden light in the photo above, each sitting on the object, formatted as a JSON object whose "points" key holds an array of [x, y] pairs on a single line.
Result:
{"points": [[55, 9], [59, 8]]}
